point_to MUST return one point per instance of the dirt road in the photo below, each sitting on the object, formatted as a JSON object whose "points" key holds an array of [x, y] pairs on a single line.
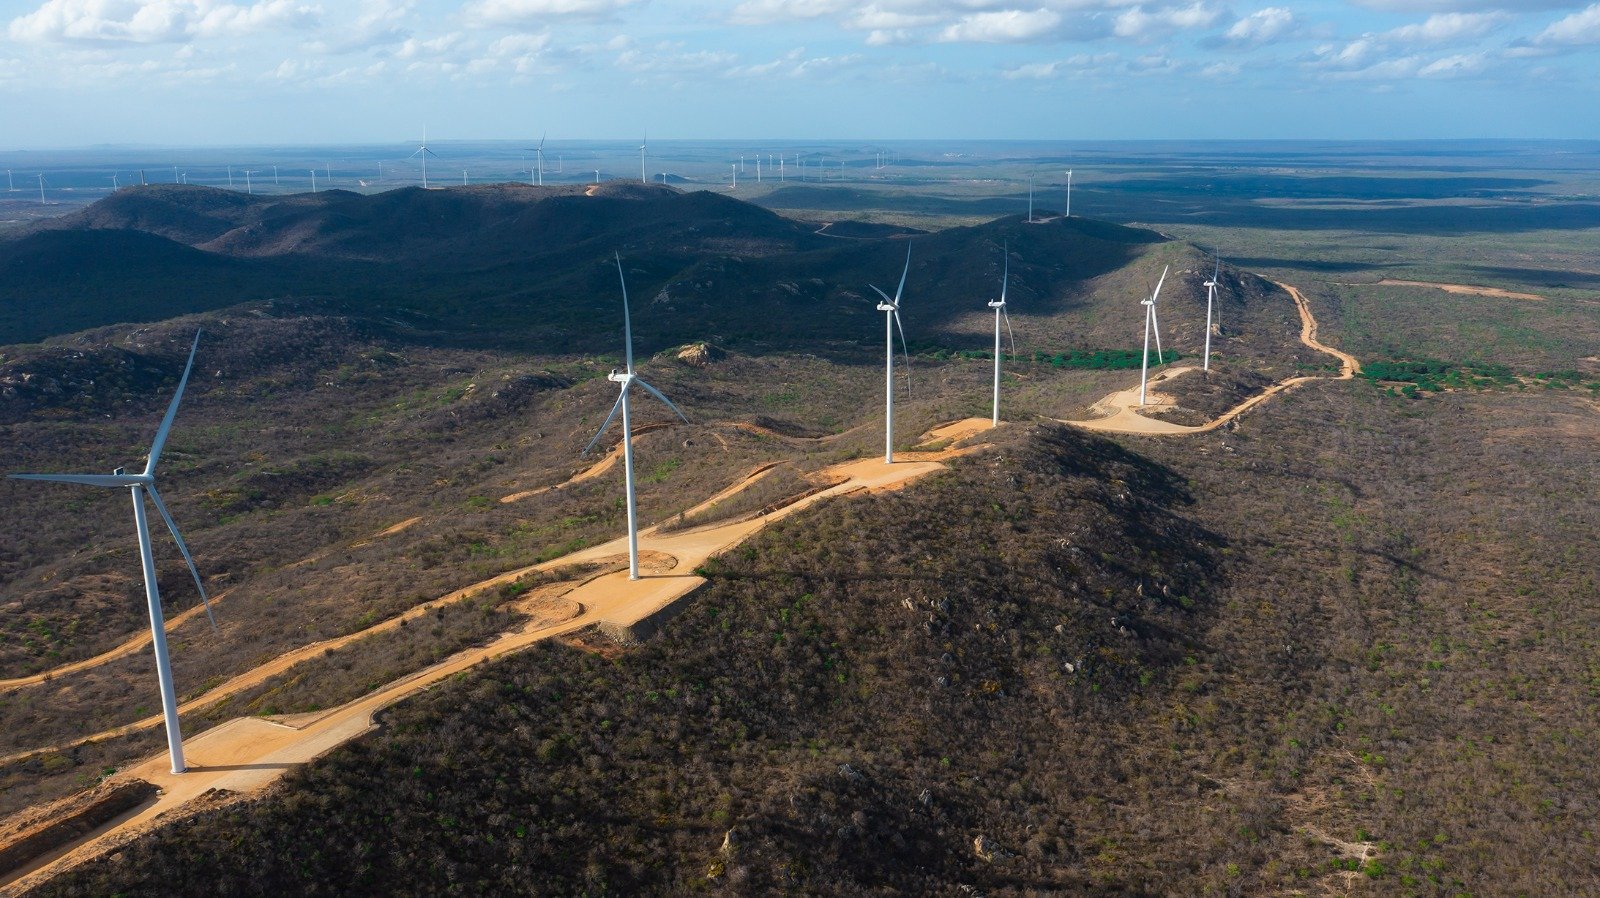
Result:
{"points": [[245, 755], [1121, 408]]}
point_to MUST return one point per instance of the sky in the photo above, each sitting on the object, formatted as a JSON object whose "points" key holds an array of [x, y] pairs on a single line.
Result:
{"points": [[208, 72]]}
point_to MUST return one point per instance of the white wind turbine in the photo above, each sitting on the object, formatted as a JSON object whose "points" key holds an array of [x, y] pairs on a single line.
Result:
{"points": [[1000, 312], [1068, 213], [539, 165], [891, 323], [1149, 321], [248, 188], [643, 177], [1211, 294], [627, 379], [141, 485], [424, 152]]}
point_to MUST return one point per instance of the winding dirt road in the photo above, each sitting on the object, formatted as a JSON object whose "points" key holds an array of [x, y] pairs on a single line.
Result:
{"points": [[247, 754], [1122, 407]]}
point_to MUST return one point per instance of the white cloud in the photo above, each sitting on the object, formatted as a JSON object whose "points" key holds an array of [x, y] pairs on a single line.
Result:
{"points": [[538, 12], [769, 12], [155, 21], [1137, 24], [1221, 70], [1003, 27], [1458, 66], [1262, 26], [379, 24], [1575, 30], [1461, 5], [1447, 27]]}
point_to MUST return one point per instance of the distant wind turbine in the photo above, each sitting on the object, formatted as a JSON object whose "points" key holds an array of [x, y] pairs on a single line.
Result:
{"points": [[230, 177], [1068, 213], [626, 379], [41, 190], [248, 188], [1149, 320], [539, 168], [424, 152], [313, 180], [114, 184], [643, 178], [735, 178], [274, 176], [1030, 199], [1211, 294], [1000, 312], [10, 184], [140, 485], [891, 323]]}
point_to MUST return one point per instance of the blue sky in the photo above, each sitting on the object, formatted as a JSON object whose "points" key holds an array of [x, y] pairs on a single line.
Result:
{"points": [[81, 72]]}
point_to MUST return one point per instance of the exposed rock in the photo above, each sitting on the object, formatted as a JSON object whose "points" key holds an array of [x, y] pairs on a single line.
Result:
{"points": [[699, 355]]}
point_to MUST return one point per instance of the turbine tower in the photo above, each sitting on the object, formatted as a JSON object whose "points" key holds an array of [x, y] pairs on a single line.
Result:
{"points": [[141, 485], [424, 152], [539, 166], [1149, 319], [248, 188], [1068, 213], [628, 379], [891, 323], [1211, 294], [643, 177], [41, 190], [1000, 312]]}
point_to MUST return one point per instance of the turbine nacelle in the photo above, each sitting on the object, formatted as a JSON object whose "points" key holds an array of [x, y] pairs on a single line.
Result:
{"points": [[997, 304], [619, 376]]}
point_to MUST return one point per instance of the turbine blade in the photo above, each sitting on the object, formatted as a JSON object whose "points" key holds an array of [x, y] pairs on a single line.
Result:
{"points": [[1005, 278], [904, 352], [172, 410], [84, 479], [183, 550], [627, 320], [609, 418], [1163, 280], [901, 289], [885, 296], [657, 393], [1007, 316]]}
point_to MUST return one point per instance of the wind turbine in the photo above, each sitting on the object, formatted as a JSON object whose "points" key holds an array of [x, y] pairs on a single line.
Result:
{"points": [[140, 485], [41, 190], [735, 178], [1149, 319], [424, 152], [627, 379], [11, 184], [115, 186], [247, 186], [1211, 293], [643, 178], [274, 176], [230, 177], [313, 180], [999, 312], [540, 165], [891, 323], [1068, 213]]}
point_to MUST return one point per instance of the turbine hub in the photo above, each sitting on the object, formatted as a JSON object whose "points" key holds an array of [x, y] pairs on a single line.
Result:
{"points": [[995, 304], [619, 376], [888, 307]]}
